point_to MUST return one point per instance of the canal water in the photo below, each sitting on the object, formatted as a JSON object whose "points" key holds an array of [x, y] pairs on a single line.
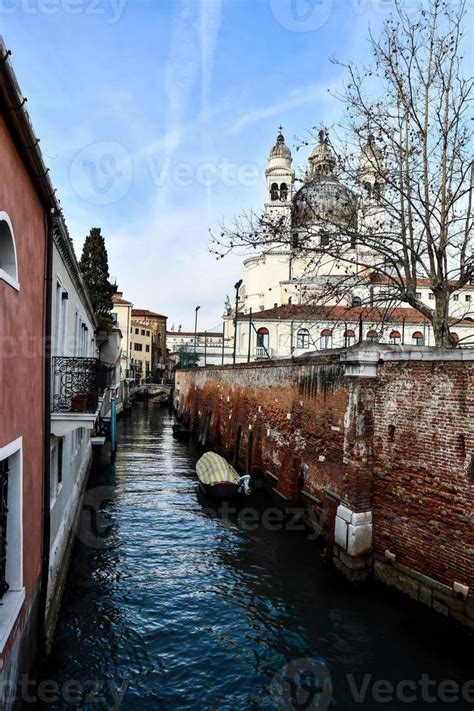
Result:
{"points": [[172, 603]]}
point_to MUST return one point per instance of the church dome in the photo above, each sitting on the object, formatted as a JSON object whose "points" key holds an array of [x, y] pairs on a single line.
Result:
{"points": [[323, 198], [280, 149]]}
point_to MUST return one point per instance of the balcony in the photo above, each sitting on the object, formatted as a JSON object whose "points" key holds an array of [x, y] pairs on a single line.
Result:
{"points": [[262, 352], [77, 384]]}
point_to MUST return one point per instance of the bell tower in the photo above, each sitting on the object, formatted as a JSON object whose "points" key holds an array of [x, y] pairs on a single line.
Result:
{"points": [[372, 184], [279, 178]]}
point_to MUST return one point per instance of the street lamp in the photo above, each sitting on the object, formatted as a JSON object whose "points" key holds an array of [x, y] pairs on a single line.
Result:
{"points": [[237, 286], [195, 329]]}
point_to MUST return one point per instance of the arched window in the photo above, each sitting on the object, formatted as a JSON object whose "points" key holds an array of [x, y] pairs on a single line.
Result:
{"points": [[302, 338], [368, 190], [263, 337], [395, 338], [372, 336], [356, 301], [283, 191], [418, 338], [349, 338], [274, 191], [326, 338], [377, 191], [454, 336], [8, 261]]}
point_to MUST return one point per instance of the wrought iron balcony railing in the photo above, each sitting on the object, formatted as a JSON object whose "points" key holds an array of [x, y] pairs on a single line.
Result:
{"points": [[78, 383]]}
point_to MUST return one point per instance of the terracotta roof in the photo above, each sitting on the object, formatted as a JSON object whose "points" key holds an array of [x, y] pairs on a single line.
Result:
{"points": [[118, 300], [311, 312], [146, 312]]}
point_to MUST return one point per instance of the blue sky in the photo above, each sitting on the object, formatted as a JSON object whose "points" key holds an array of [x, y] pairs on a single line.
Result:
{"points": [[156, 118]]}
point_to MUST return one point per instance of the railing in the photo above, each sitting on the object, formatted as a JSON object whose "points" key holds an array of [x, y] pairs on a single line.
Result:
{"points": [[78, 383], [262, 352]]}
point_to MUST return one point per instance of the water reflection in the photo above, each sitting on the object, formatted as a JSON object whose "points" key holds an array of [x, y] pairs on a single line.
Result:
{"points": [[193, 612]]}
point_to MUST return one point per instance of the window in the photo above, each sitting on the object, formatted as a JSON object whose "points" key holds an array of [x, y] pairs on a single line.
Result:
{"points": [[356, 301], [467, 297], [395, 338], [349, 338], [283, 191], [418, 338], [147, 348], [8, 259], [302, 338], [454, 336], [430, 296], [136, 331], [263, 337], [274, 191], [143, 331], [418, 294], [326, 338], [455, 297], [372, 336], [138, 347], [12, 592], [324, 240]]}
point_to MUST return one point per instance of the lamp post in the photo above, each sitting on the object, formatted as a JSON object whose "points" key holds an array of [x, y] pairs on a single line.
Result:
{"points": [[237, 286], [195, 329]]}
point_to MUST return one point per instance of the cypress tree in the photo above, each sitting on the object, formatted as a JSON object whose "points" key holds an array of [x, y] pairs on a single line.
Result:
{"points": [[94, 266]]}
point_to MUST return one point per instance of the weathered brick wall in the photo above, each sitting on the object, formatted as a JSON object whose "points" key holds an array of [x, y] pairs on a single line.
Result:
{"points": [[294, 416], [423, 445]]}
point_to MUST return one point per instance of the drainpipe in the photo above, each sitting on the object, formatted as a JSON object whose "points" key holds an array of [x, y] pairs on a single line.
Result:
{"points": [[47, 429]]}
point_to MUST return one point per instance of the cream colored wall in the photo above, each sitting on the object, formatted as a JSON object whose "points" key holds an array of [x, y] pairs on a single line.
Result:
{"points": [[143, 339], [124, 318]]}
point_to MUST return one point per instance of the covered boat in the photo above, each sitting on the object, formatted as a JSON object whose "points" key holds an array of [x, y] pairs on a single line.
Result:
{"points": [[217, 477]]}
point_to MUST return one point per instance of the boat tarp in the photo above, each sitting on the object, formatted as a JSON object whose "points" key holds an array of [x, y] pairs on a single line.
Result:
{"points": [[213, 469]]}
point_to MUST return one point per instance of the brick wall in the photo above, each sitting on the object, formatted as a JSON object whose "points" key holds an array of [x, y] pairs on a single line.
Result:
{"points": [[396, 439], [423, 446]]}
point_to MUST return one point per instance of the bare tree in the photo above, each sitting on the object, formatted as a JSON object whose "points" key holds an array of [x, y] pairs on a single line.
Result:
{"points": [[399, 213]]}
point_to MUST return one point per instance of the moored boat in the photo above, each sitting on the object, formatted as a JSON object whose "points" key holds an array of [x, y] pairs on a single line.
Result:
{"points": [[217, 478]]}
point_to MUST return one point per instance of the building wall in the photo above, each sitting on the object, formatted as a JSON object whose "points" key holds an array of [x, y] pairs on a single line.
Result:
{"points": [[73, 336], [283, 334], [157, 324], [22, 315], [382, 442], [141, 343], [124, 318]]}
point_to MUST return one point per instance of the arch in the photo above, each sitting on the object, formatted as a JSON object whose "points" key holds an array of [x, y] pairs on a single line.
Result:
{"points": [[274, 193], [283, 191], [302, 338], [356, 301], [349, 337], [372, 335], [395, 337], [326, 338], [8, 256], [418, 338], [455, 336]]}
